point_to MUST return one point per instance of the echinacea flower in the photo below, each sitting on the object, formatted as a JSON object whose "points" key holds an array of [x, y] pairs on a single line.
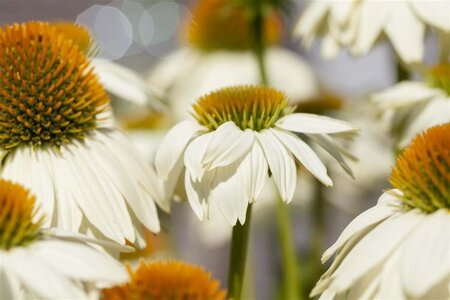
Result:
{"points": [[413, 106], [359, 24], [399, 249], [167, 280], [240, 133], [57, 138], [220, 53], [46, 264]]}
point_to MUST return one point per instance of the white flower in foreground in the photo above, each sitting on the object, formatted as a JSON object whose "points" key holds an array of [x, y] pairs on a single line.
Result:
{"points": [[399, 249], [240, 133], [57, 138], [220, 54], [47, 264], [359, 24], [413, 106]]}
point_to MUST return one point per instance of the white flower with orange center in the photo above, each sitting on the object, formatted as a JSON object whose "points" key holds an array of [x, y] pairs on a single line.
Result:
{"points": [[47, 264], [57, 138], [242, 135], [358, 25], [413, 106], [399, 249]]}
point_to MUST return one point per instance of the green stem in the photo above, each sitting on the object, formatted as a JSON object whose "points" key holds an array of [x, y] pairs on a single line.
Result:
{"points": [[291, 280], [259, 47], [238, 256]]}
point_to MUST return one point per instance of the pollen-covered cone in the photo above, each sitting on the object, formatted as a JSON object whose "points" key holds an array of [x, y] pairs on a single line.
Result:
{"points": [[358, 25], [167, 280], [220, 54], [57, 138], [241, 135], [399, 249], [47, 264]]}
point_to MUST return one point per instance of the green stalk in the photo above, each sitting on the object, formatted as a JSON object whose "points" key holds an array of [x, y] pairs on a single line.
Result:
{"points": [[238, 254]]}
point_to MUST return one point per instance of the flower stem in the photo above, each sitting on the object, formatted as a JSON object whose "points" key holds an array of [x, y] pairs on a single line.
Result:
{"points": [[238, 256], [291, 281], [259, 47]]}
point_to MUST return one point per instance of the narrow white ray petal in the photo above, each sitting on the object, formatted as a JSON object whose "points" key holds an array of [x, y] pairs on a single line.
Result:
{"points": [[390, 285], [311, 19], [228, 144], [255, 172], [36, 276], [173, 146], [229, 194], [307, 157], [195, 195], [194, 154], [310, 123], [79, 261], [9, 287], [406, 32], [330, 47], [425, 259], [281, 164], [368, 253], [436, 13]]}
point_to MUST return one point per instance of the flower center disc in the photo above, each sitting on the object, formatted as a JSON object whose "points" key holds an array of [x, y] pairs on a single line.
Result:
{"points": [[439, 77], [253, 107], [16, 216], [224, 25], [48, 93], [422, 171]]}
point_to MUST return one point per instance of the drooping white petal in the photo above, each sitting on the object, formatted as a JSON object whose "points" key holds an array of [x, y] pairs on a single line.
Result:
{"points": [[310, 123], [406, 32], [425, 259], [173, 146], [435, 12], [198, 192], [255, 172], [194, 154], [228, 144], [281, 164], [9, 287], [390, 285], [330, 47], [311, 20], [307, 157]]}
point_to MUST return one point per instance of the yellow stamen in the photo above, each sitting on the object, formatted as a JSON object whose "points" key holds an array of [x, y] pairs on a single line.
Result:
{"points": [[223, 25], [439, 77], [48, 92], [167, 281], [17, 210], [253, 107], [422, 171]]}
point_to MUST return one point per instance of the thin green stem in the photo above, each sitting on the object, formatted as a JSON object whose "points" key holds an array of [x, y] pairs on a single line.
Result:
{"points": [[291, 277], [238, 256], [259, 46]]}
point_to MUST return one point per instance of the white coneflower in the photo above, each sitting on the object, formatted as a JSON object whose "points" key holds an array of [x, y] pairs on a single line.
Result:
{"points": [[359, 24], [57, 138], [399, 249], [240, 133], [46, 264], [413, 106], [220, 54]]}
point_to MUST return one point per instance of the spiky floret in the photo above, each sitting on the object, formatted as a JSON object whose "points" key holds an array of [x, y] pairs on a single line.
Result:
{"points": [[422, 171], [253, 107], [167, 281], [49, 94], [17, 211], [439, 77], [224, 25]]}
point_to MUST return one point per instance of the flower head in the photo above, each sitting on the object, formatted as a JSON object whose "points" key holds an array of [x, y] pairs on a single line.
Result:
{"points": [[167, 280], [240, 134], [225, 25], [399, 249], [36, 262], [57, 136]]}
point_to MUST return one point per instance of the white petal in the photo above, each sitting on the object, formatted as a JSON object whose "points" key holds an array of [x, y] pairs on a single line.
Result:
{"points": [[390, 284], [425, 260], [255, 172], [281, 164], [173, 146], [436, 12], [307, 157], [330, 47], [310, 123], [9, 287], [198, 192], [311, 19], [406, 32], [228, 144], [194, 154]]}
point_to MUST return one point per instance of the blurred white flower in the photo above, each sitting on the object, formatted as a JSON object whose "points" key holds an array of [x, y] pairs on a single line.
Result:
{"points": [[58, 138], [359, 24], [399, 249], [240, 133], [412, 106], [38, 263]]}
